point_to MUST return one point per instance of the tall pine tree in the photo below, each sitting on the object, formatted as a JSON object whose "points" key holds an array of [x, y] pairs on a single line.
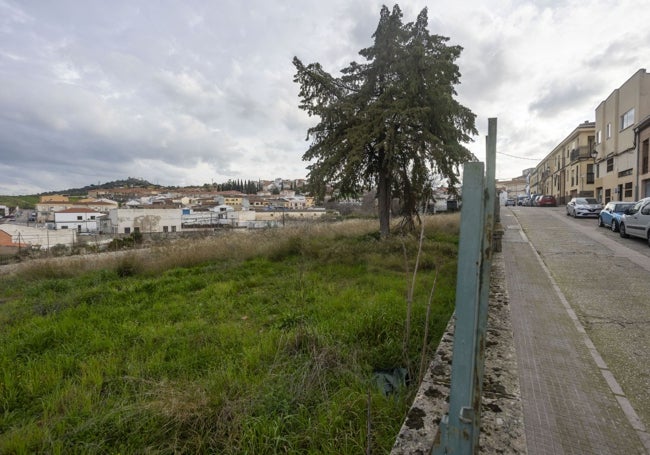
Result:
{"points": [[389, 123]]}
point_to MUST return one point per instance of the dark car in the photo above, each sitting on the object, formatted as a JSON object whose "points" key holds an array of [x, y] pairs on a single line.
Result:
{"points": [[546, 201]]}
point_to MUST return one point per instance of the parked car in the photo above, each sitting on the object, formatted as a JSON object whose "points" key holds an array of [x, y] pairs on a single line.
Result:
{"points": [[583, 207], [546, 201], [611, 215], [636, 221], [510, 202]]}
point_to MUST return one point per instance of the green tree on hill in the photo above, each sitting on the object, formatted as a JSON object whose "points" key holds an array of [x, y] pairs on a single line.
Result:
{"points": [[391, 122]]}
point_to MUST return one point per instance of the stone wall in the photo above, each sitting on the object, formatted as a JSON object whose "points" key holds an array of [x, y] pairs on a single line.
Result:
{"points": [[502, 424]]}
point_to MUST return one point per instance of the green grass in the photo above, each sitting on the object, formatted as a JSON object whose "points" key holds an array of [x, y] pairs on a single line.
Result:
{"points": [[24, 202], [266, 345]]}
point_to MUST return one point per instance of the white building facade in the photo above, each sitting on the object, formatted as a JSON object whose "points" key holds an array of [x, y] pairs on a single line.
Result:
{"points": [[81, 220], [129, 220]]}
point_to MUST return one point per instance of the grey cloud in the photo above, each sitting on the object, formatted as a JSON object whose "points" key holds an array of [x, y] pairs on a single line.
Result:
{"points": [[97, 91], [618, 52], [560, 95]]}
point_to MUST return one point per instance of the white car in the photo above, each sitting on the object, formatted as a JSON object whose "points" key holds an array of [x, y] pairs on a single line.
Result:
{"points": [[583, 206], [636, 221]]}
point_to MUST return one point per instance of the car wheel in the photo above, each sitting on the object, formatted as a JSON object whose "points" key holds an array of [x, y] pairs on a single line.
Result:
{"points": [[614, 226], [600, 222], [621, 230]]}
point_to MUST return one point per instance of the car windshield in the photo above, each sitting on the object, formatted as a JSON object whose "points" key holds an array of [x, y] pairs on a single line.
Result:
{"points": [[587, 200], [620, 208]]}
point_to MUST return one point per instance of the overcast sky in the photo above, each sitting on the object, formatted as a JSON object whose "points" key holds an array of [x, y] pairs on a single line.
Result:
{"points": [[193, 92]]}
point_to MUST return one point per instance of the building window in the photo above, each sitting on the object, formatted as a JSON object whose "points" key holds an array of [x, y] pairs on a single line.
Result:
{"points": [[79, 218], [610, 164], [165, 228], [628, 189], [608, 195], [92, 217], [173, 228], [644, 156], [590, 173], [627, 119], [127, 230], [136, 229], [609, 130]]}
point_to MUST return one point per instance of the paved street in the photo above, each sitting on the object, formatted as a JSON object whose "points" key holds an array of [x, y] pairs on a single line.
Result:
{"points": [[580, 306]]}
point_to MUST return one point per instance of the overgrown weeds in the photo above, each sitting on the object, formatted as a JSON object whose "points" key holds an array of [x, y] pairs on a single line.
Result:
{"points": [[261, 342]]}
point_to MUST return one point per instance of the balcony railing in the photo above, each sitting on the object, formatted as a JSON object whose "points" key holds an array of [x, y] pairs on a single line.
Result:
{"points": [[580, 153]]}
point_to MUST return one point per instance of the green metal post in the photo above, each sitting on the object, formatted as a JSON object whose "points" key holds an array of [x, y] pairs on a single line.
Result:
{"points": [[458, 428]]}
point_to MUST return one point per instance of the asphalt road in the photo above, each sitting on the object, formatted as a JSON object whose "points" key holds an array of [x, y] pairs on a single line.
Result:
{"points": [[605, 280]]}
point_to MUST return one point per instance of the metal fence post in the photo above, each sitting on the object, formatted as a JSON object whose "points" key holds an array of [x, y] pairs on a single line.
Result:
{"points": [[459, 429]]}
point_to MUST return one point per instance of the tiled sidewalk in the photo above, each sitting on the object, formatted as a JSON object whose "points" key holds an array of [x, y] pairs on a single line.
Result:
{"points": [[570, 404]]}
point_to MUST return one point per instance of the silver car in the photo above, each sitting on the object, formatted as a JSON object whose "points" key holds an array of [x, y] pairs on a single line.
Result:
{"points": [[583, 207], [636, 221]]}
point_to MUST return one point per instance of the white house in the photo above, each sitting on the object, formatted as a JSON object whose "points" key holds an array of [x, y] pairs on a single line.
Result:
{"points": [[145, 220], [79, 219], [39, 238]]}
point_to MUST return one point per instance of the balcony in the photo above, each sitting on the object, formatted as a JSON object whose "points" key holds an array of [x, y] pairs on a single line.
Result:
{"points": [[580, 153]]}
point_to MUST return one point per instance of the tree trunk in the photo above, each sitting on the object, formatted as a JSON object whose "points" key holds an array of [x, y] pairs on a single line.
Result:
{"points": [[384, 200]]}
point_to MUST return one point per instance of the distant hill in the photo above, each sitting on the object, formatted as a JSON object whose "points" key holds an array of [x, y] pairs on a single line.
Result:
{"points": [[130, 182]]}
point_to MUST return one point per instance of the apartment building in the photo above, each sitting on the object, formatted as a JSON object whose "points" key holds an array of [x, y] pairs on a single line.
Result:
{"points": [[619, 155], [608, 158], [568, 171], [642, 141], [513, 187]]}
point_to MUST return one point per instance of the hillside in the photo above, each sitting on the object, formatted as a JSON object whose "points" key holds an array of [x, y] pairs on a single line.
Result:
{"points": [[130, 182]]}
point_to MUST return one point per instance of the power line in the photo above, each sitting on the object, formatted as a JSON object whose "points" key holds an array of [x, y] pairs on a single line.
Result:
{"points": [[519, 157]]}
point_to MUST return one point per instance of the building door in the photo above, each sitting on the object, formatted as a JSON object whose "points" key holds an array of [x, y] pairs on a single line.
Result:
{"points": [[646, 188]]}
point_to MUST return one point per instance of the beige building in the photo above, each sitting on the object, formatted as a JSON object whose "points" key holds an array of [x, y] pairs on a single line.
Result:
{"points": [[608, 158], [642, 141], [569, 169], [513, 187], [618, 155]]}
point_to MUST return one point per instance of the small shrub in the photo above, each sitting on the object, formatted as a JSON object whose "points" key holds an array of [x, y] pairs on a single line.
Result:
{"points": [[128, 266], [58, 250]]}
